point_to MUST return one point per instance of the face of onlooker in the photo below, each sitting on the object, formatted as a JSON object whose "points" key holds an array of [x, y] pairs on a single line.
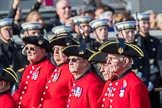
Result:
{"points": [[34, 16], [58, 56], [32, 33], [37, 18], [144, 27], [85, 27], [101, 33], [6, 33], [98, 12], [63, 9], [128, 35]]}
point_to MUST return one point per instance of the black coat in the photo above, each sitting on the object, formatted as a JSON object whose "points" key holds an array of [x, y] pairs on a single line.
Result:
{"points": [[11, 55]]}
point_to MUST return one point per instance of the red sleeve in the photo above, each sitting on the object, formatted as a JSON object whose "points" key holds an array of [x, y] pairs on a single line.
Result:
{"points": [[139, 97], [94, 93]]}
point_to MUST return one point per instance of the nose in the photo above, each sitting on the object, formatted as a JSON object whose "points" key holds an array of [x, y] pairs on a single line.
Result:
{"points": [[102, 68], [56, 51], [37, 34]]}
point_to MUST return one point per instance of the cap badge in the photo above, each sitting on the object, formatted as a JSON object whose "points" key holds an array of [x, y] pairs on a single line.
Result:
{"points": [[40, 42], [81, 52], [120, 50]]}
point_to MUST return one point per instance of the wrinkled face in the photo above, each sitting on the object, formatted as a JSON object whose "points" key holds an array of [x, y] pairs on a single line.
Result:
{"points": [[114, 66], [32, 33], [76, 64], [64, 9], [34, 53], [58, 56], [101, 33], [128, 35], [6, 33], [144, 26], [104, 71]]}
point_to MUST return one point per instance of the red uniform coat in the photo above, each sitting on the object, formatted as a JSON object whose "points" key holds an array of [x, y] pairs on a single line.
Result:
{"points": [[6, 101], [56, 91], [32, 84], [126, 92], [85, 91]]}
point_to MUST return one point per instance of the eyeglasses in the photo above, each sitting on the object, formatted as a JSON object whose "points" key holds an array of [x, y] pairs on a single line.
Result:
{"points": [[112, 59], [30, 48], [57, 48], [73, 59]]}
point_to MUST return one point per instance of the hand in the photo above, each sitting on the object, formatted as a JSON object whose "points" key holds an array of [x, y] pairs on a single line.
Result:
{"points": [[40, 1], [15, 3]]}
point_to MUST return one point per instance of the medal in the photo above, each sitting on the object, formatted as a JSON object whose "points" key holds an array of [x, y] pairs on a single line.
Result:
{"points": [[110, 91], [121, 94], [56, 75], [35, 74]]}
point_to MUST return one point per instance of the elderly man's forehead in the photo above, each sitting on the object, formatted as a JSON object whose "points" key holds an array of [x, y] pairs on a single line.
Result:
{"points": [[31, 45], [75, 57], [115, 55]]}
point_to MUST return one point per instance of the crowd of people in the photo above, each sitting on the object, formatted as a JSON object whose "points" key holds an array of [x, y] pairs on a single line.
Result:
{"points": [[66, 71]]}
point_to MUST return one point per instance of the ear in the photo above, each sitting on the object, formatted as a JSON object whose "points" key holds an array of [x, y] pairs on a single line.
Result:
{"points": [[120, 35], [76, 28], [85, 62], [126, 60], [2, 84]]}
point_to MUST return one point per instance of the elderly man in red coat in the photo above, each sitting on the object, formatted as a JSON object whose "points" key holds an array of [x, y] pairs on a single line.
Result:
{"points": [[85, 86], [7, 77], [36, 73], [55, 94], [123, 88]]}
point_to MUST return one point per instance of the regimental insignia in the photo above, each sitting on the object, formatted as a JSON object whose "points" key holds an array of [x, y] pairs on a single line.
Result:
{"points": [[81, 52], [35, 74], [120, 50], [56, 75], [68, 43], [40, 42], [77, 91], [110, 90]]}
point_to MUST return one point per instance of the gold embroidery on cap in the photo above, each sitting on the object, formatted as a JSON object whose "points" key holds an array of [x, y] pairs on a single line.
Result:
{"points": [[40, 42], [120, 50]]}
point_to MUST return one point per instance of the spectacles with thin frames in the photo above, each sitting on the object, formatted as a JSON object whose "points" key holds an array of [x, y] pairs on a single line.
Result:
{"points": [[30, 48], [113, 59], [73, 59]]}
